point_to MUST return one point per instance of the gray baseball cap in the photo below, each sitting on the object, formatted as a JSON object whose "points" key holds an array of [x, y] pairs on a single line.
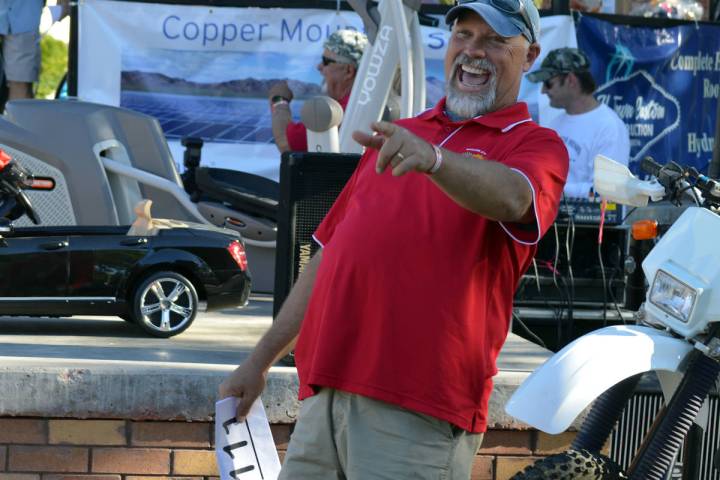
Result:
{"points": [[558, 62], [506, 17]]}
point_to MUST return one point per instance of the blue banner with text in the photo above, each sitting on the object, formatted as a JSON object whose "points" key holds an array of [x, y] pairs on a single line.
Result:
{"points": [[663, 82]]}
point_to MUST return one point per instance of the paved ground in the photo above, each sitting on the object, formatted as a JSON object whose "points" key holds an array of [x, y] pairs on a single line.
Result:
{"points": [[218, 338], [70, 360], [222, 337]]}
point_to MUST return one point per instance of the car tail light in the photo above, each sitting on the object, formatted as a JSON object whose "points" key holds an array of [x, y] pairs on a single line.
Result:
{"points": [[237, 252]]}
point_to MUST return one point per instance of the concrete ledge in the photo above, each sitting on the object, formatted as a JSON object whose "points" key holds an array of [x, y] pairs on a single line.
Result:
{"points": [[136, 391], [85, 388], [131, 391]]}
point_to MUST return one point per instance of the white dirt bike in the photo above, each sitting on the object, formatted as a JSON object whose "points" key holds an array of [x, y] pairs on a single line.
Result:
{"points": [[677, 336]]}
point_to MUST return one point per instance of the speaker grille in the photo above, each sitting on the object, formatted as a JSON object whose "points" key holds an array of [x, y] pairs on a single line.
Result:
{"points": [[636, 420], [309, 185]]}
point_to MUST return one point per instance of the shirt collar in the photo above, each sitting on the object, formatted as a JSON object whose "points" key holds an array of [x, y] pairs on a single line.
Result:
{"points": [[504, 119]]}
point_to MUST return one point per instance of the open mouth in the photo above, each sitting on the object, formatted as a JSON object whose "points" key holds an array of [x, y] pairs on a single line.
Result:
{"points": [[472, 77]]}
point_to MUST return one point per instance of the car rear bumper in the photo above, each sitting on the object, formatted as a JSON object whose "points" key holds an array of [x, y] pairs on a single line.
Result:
{"points": [[233, 290]]}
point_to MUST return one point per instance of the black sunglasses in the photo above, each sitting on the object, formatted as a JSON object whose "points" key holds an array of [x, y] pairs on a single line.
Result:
{"points": [[549, 84], [513, 7], [327, 61]]}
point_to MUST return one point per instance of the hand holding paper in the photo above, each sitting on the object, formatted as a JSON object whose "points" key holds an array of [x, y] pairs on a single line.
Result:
{"points": [[245, 450]]}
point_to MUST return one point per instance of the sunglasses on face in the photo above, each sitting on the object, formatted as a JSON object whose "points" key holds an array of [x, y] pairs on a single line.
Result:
{"points": [[327, 61], [513, 7], [550, 83]]}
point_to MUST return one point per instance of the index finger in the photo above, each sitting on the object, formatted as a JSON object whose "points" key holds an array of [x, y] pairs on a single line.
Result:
{"points": [[386, 129], [371, 141], [243, 409]]}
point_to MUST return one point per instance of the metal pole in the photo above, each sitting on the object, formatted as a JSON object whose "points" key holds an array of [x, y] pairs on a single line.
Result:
{"points": [[72, 73]]}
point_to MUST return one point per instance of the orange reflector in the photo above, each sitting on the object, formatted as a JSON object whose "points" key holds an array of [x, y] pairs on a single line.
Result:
{"points": [[42, 183], [644, 229]]}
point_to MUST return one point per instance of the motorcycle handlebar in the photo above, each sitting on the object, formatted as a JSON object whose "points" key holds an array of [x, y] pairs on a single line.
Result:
{"points": [[678, 179], [650, 166]]}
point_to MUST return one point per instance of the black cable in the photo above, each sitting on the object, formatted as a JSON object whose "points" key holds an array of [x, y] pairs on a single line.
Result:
{"points": [[604, 284], [527, 330], [692, 190], [617, 269], [628, 214]]}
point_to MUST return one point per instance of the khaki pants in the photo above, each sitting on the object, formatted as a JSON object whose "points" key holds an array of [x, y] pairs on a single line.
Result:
{"points": [[342, 436]]}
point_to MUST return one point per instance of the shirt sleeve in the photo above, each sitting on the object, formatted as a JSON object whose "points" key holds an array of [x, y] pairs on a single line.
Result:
{"points": [[297, 136], [542, 159], [336, 214]]}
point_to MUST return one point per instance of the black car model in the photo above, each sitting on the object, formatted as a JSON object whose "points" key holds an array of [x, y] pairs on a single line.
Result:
{"points": [[158, 281]]}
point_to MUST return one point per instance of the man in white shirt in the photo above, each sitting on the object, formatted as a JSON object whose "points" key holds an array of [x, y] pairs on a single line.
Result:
{"points": [[587, 126]]}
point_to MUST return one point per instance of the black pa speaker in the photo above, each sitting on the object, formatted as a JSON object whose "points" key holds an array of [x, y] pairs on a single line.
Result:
{"points": [[309, 184]]}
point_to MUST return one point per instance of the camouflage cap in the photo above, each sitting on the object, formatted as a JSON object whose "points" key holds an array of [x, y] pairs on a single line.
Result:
{"points": [[558, 62], [348, 44]]}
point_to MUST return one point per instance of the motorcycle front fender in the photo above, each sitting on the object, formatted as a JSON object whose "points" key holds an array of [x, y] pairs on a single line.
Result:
{"points": [[558, 391]]}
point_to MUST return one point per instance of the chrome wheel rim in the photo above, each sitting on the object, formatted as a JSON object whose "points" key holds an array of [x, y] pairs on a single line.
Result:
{"points": [[166, 305]]}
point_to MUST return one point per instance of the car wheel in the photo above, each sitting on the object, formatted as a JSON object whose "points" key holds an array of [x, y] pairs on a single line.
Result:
{"points": [[165, 304]]}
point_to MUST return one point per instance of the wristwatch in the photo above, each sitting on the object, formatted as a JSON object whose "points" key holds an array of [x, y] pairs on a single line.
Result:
{"points": [[279, 98]]}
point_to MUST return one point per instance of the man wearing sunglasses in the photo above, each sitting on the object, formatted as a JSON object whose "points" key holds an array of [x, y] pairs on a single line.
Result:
{"points": [[588, 127], [341, 56], [405, 308]]}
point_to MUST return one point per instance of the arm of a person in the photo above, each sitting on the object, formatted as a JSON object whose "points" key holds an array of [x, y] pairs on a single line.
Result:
{"points": [[248, 380], [281, 118], [487, 188]]}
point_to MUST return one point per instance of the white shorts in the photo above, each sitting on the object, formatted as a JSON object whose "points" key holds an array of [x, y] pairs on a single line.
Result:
{"points": [[21, 57]]}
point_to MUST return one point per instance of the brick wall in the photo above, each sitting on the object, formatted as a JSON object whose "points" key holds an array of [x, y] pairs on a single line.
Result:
{"points": [[66, 449]]}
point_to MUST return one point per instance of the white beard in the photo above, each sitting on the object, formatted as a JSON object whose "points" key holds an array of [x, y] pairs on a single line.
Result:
{"points": [[467, 105]]}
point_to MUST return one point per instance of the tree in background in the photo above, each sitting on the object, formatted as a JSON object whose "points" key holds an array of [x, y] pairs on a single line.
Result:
{"points": [[53, 66]]}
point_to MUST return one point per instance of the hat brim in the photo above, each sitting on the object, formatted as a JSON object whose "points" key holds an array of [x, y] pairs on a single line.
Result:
{"points": [[541, 75], [498, 21]]}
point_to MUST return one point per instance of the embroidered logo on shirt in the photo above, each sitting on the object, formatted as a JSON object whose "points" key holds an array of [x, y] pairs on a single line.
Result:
{"points": [[476, 153]]}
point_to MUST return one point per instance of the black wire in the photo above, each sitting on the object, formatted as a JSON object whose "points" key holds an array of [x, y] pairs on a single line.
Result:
{"points": [[527, 330], [628, 214], [692, 190], [617, 269], [604, 285]]}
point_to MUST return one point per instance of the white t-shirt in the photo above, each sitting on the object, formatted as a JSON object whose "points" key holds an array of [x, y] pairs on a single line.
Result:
{"points": [[599, 131]]}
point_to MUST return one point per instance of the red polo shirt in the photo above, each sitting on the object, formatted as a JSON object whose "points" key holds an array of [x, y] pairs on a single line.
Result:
{"points": [[297, 133], [413, 297]]}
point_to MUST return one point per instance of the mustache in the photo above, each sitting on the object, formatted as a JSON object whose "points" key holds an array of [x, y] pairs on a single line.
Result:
{"points": [[465, 59]]}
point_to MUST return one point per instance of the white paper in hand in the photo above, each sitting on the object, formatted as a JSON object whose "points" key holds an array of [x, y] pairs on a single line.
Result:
{"points": [[244, 451]]}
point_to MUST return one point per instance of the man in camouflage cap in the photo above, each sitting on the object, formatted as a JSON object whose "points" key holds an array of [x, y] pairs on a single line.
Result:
{"points": [[560, 61], [588, 127], [342, 52]]}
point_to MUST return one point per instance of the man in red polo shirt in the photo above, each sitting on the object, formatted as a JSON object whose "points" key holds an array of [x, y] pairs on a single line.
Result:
{"points": [[402, 313], [342, 52]]}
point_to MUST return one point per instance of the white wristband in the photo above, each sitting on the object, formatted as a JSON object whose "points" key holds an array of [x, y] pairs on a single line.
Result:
{"points": [[438, 160]]}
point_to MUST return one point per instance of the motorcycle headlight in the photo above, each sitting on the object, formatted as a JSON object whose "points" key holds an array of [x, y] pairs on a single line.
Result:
{"points": [[672, 296]]}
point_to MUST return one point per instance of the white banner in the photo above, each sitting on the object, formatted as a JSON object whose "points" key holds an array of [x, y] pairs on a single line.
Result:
{"points": [[204, 71]]}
